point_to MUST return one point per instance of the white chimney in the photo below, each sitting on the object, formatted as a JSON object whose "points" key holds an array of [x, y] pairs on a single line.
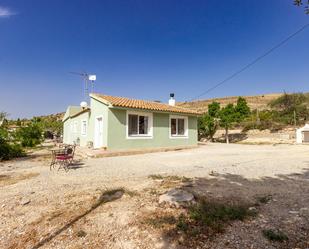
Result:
{"points": [[172, 101]]}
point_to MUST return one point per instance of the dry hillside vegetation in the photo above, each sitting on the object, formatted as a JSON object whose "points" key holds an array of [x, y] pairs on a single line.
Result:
{"points": [[254, 102]]}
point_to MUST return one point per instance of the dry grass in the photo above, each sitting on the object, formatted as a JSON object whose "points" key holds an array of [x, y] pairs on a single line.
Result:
{"points": [[13, 179], [170, 181], [199, 222], [254, 102]]}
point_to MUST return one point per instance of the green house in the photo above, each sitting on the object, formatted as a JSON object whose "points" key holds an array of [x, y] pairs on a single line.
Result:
{"points": [[117, 123]]}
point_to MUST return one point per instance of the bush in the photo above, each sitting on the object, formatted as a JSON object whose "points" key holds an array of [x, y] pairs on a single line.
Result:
{"points": [[9, 151], [275, 235], [30, 135], [216, 215], [207, 126]]}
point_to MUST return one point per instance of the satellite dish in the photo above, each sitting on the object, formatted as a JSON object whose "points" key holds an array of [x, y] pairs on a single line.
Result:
{"points": [[83, 104]]}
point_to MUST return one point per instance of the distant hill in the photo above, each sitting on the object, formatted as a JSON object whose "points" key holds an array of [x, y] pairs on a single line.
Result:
{"points": [[57, 116], [255, 102], [51, 117]]}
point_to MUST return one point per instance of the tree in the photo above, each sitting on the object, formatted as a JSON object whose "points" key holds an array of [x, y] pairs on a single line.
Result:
{"points": [[214, 109], [3, 115], [227, 118], [291, 108], [301, 3], [242, 110], [208, 126], [30, 135], [18, 122], [208, 123], [8, 148]]}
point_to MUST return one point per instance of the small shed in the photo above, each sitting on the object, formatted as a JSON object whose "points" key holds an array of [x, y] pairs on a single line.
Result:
{"points": [[302, 134]]}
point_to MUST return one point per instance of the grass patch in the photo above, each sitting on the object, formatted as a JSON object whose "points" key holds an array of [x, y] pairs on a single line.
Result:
{"points": [[131, 193], [156, 177], [273, 235], [200, 221], [170, 181], [81, 233], [182, 223], [160, 222], [264, 199], [13, 179], [169, 178], [215, 215]]}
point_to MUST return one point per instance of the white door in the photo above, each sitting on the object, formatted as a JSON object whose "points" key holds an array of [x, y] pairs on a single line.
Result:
{"points": [[98, 134]]}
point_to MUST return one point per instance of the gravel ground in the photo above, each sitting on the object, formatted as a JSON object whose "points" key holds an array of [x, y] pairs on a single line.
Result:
{"points": [[36, 203]]}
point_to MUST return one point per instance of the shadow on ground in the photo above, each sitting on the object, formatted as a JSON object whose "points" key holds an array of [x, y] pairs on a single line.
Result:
{"points": [[282, 203]]}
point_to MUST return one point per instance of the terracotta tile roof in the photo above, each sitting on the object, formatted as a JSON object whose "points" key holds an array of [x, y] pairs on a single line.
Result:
{"points": [[141, 104]]}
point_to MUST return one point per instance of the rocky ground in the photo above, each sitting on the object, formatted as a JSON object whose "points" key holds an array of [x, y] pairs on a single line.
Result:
{"points": [[56, 209], [258, 137]]}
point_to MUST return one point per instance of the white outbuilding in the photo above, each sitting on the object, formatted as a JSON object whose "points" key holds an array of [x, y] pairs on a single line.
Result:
{"points": [[302, 134]]}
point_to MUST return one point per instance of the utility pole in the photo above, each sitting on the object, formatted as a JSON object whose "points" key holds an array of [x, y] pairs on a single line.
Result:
{"points": [[294, 118]]}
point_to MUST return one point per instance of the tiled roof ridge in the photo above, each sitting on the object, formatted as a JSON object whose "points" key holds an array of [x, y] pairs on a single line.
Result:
{"points": [[142, 104]]}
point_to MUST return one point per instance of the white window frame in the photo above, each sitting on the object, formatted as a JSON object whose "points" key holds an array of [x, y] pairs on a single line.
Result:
{"points": [[186, 135], [150, 125], [81, 127]]}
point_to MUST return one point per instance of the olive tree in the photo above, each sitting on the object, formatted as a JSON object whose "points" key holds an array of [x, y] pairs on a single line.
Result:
{"points": [[208, 123]]}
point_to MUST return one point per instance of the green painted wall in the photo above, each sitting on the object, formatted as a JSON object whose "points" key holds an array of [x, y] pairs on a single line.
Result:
{"points": [[117, 138], [69, 136], [114, 129], [97, 109], [66, 131]]}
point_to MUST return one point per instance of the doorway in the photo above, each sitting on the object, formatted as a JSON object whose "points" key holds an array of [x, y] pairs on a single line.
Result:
{"points": [[98, 133]]}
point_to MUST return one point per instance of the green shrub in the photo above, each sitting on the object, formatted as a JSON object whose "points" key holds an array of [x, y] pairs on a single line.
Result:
{"points": [[9, 151], [182, 223], [207, 126], [215, 215], [30, 135], [275, 235]]}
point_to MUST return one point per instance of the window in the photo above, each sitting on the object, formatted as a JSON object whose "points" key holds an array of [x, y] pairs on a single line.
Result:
{"points": [[84, 127], [178, 126], [139, 125]]}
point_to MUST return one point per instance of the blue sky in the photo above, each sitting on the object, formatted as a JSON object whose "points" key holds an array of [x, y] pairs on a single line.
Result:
{"points": [[146, 49]]}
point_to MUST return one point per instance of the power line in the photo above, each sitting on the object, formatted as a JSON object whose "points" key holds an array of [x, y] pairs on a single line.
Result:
{"points": [[253, 62]]}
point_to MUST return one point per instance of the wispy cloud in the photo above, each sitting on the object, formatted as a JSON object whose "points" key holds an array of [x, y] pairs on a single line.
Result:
{"points": [[6, 12]]}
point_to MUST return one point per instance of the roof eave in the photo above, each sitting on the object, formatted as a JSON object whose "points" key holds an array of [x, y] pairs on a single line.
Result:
{"points": [[151, 110], [98, 98]]}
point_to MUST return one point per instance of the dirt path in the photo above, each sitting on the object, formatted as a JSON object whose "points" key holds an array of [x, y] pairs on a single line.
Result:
{"points": [[37, 203]]}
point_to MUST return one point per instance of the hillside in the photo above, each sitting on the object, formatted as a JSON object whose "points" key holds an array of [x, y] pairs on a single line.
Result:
{"points": [[56, 117], [255, 102]]}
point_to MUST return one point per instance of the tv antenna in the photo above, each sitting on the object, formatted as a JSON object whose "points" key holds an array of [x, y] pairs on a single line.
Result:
{"points": [[89, 80]]}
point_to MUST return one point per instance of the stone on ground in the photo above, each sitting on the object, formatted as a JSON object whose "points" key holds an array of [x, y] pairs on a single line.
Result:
{"points": [[177, 198]]}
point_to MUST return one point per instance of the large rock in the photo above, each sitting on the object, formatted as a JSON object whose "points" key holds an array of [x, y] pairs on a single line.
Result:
{"points": [[25, 201], [176, 198]]}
